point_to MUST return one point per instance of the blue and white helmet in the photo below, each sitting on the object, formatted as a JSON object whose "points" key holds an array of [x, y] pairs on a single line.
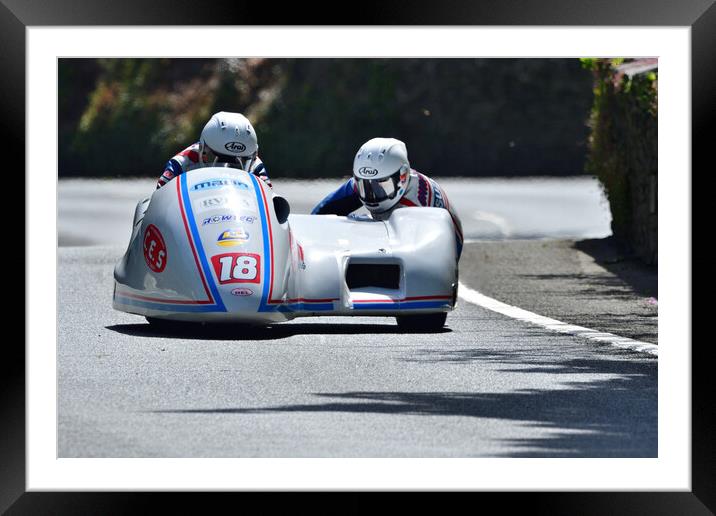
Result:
{"points": [[381, 171], [231, 137]]}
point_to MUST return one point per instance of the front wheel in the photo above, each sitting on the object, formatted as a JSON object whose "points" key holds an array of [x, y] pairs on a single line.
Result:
{"points": [[422, 322]]}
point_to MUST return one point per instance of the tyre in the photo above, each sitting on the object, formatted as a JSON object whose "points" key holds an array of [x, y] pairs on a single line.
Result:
{"points": [[422, 322]]}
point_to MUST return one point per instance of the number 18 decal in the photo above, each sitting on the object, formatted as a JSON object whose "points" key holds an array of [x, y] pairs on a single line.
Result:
{"points": [[237, 267]]}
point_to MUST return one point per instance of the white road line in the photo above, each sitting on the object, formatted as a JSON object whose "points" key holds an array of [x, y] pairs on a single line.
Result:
{"points": [[474, 297]]}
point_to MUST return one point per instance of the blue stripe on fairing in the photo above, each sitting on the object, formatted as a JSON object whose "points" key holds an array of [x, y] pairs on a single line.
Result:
{"points": [[162, 306], [263, 307], [186, 200], [305, 307], [405, 305]]}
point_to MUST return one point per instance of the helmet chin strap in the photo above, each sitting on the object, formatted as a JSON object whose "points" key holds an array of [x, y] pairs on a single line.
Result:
{"points": [[251, 162]]}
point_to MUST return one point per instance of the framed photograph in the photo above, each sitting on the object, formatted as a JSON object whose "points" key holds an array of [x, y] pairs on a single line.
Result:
{"points": [[241, 302]]}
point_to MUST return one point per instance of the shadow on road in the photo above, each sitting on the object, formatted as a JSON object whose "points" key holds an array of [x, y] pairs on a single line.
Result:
{"points": [[641, 278], [242, 332], [612, 418], [614, 415]]}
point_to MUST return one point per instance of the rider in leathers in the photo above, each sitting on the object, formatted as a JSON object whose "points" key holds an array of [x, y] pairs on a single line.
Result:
{"points": [[226, 138], [382, 182]]}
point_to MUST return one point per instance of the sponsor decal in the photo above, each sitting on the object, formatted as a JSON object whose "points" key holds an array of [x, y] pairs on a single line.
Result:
{"points": [[210, 184], [235, 147], [242, 292], [212, 203], [249, 219], [208, 203], [232, 237], [237, 268], [367, 172], [219, 218], [437, 197], [155, 250]]}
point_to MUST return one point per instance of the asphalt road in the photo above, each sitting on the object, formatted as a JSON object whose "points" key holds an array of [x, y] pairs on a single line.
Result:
{"points": [[487, 385], [587, 283]]}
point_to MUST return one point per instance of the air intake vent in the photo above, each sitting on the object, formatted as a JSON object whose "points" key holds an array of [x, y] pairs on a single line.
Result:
{"points": [[380, 275]]}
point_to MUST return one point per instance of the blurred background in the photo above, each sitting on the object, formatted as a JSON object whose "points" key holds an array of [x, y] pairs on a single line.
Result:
{"points": [[460, 118]]}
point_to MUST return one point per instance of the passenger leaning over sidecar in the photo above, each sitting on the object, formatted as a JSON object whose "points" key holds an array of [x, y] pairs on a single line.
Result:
{"points": [[226, 138], [383, 182]]}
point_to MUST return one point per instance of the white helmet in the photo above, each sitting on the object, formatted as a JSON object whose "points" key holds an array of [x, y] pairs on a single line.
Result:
{"points": [[381, 172], [231, 137]]}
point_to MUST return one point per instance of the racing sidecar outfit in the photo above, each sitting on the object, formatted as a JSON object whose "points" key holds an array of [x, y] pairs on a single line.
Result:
{"points": [[421, 191], [188, 159]]}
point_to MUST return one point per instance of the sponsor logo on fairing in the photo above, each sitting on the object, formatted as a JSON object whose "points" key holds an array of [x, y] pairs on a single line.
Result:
{"points": [[219, 218], [367, 172], [235, 147], [210, 184], [242, 292], [208, 203], [232, 237], [155, 250], [249, 219]]}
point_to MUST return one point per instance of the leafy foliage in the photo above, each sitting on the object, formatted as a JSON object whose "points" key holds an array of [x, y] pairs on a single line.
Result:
{"points": [[459, 117], [623, 150]]}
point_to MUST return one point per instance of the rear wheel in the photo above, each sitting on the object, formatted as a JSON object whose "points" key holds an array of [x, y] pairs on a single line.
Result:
{"points": [[422, 322]]}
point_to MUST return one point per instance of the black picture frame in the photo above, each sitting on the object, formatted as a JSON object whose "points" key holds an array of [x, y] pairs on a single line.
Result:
{"points": [[700, 15]]}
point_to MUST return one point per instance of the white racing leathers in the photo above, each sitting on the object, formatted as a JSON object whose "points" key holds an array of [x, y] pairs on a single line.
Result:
{"points": [[421, 191], [188, 159]]}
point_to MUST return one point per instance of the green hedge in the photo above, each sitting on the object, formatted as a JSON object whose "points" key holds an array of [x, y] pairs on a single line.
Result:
{"points": [[459, 117], [623, 151]]}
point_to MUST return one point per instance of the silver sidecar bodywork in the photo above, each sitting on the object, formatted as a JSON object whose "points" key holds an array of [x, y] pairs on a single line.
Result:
{"points": [[218, 245]]}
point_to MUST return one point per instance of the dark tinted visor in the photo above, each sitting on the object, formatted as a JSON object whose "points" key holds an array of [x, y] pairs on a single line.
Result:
{"points": [[373, 191]]}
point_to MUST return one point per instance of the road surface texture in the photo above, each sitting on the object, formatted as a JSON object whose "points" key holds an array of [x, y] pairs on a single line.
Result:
{"points": [[487, 385], [587, 283]]}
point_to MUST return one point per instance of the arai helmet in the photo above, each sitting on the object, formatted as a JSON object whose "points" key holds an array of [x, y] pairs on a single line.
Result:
{"points": [[381, 172], [231, 137]]}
